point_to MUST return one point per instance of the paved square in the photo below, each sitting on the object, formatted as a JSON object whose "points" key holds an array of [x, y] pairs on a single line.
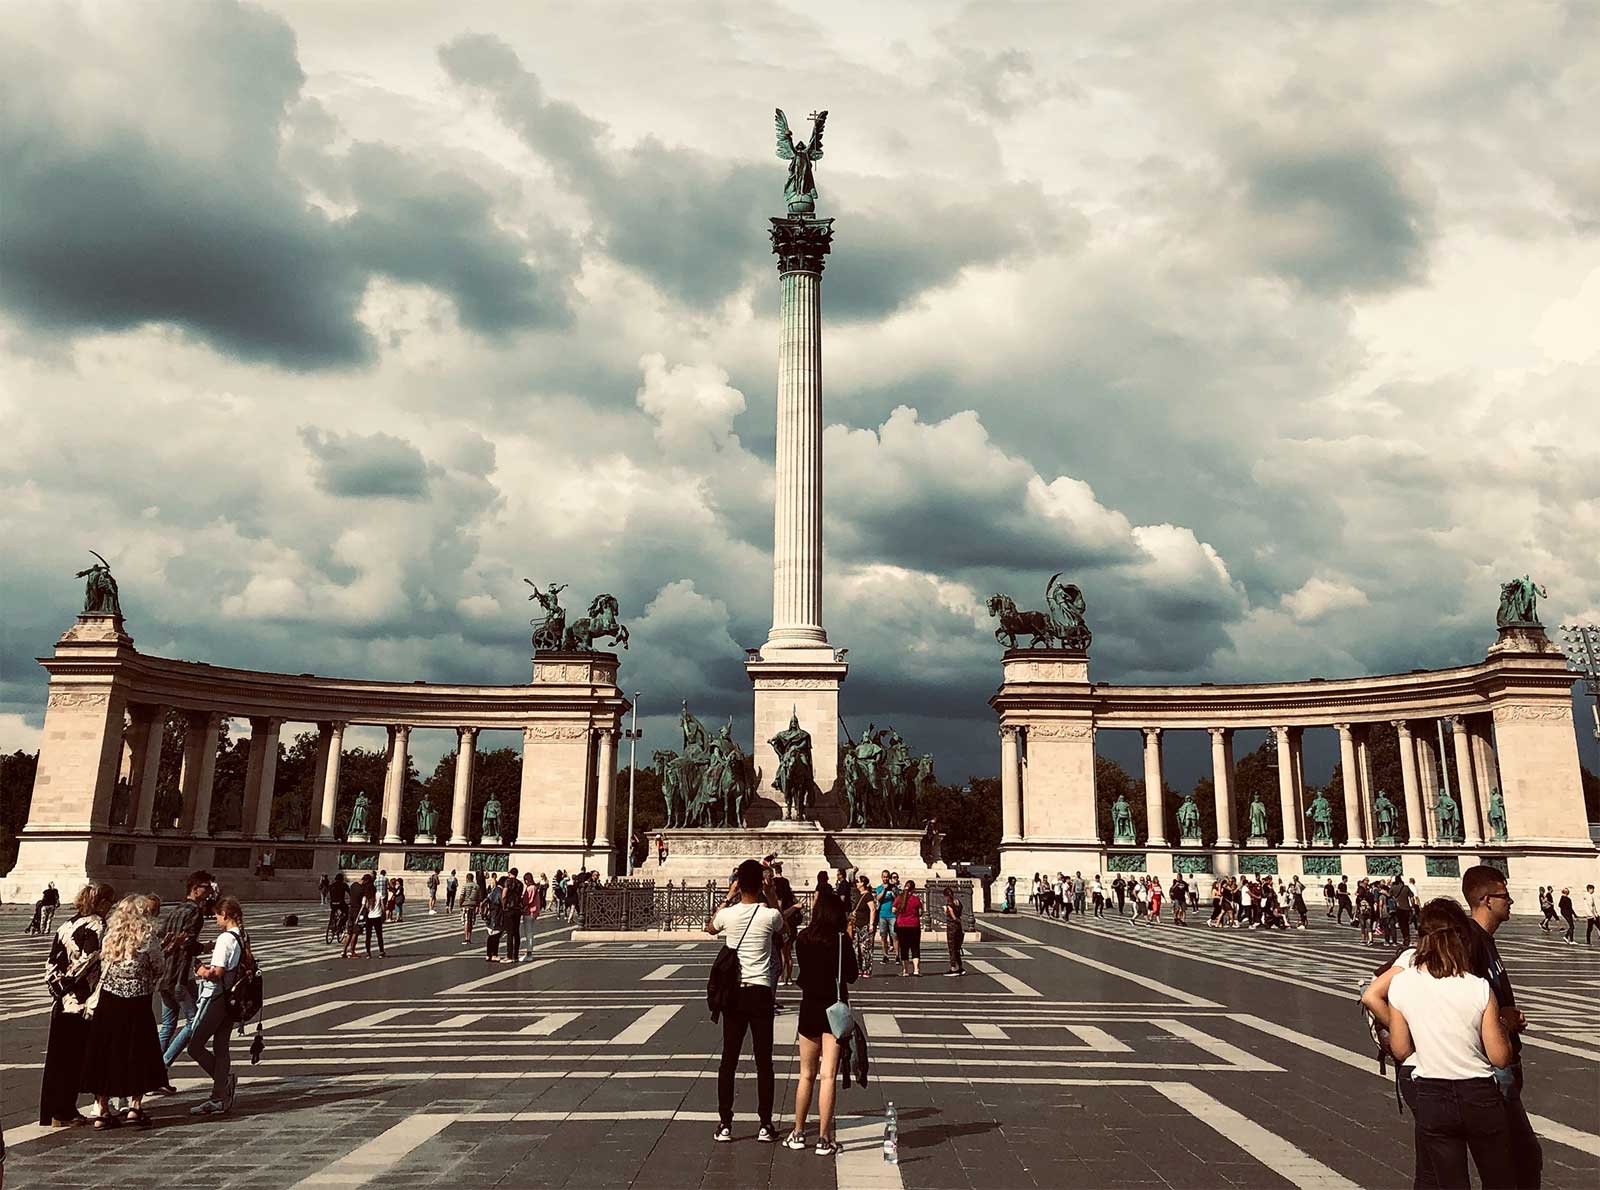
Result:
{"points": [[1100, 1053]]}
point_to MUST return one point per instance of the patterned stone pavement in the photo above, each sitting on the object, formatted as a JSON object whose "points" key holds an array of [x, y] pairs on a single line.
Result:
{"points": [[1100, 1053]]}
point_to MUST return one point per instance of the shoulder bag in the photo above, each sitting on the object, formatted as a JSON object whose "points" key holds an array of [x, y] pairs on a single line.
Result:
{"points": [[722, 985], [840, 1020]]}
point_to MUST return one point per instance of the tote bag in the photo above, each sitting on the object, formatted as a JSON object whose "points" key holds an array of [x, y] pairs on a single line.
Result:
{"points": [[840, 1020]]}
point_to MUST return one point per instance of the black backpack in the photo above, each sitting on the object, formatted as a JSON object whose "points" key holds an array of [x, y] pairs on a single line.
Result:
{"points": [[722, 985], [247, 995]]}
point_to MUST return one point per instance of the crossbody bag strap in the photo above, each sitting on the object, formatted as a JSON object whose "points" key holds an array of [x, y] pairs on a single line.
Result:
{"points": [[838, 978]]}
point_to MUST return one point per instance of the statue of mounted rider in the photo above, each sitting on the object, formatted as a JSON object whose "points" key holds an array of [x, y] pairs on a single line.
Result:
{"points": [[710, 782], [554, 634], [1061, 626], [882, 781]]}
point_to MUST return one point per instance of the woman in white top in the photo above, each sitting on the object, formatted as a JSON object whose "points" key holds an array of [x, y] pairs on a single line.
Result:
{"points": [[1446, 1021]]}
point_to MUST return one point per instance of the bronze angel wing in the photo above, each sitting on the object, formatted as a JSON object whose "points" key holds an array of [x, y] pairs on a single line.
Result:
{"points": [[814, 149], [785, 140]]}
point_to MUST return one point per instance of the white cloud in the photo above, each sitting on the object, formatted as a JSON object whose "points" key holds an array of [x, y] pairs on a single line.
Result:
{"points": [[1321, 596]]}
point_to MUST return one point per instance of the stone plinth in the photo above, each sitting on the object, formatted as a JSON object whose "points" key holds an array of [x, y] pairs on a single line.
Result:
{"points": [[805, 849], [804, 683]]}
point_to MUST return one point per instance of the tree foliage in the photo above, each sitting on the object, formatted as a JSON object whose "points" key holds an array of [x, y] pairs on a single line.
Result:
{"points": [[16, 798]]}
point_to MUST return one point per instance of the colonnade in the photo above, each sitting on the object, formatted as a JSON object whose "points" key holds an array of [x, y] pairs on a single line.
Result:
{"points": [[197, 777]]}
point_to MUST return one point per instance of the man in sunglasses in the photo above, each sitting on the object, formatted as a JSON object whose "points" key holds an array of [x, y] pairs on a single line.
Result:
{"points": [[1489, 902]]}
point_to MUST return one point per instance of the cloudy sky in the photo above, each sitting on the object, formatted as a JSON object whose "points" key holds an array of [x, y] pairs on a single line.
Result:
{"points": [[1275, 326]]}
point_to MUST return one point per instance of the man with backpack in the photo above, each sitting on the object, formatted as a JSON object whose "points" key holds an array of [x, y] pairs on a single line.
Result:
{"points": [[180, 942], [214, 1021], [1400, 896], [750, 927]]}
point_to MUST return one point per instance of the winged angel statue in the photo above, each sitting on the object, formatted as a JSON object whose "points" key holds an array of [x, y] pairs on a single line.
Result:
{"points": [[800, 191]]}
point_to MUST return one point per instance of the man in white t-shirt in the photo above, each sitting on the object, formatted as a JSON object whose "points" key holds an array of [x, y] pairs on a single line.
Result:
{"points": [[211, 1020], [753, 928]]}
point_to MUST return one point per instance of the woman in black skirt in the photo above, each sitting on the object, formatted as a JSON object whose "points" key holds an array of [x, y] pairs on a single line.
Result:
{"points": [[75, 954], [124, 1053]]}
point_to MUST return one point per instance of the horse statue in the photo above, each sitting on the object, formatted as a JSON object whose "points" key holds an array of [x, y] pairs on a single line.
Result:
{"points": [[602, 620], [671, 793], [1063, 626]]}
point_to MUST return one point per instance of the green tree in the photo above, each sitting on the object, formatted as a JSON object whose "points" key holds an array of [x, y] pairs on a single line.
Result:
{"points": [[227, 784], [17, 772], [970, 817], [361, 770], [293, 797], [649, 811]]}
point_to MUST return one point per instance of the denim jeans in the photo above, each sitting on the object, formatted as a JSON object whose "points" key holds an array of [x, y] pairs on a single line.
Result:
{"points": [[178, 1002], [211, 1021], [751, 1011], [1457, 1116], [527, 931]]}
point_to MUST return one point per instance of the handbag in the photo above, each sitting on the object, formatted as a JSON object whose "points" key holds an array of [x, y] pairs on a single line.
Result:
{"points": [[840, 1019]]}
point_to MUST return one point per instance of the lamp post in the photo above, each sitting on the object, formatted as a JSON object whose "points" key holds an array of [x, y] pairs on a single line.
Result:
{"points": [[633, 743], [1582, 646]]}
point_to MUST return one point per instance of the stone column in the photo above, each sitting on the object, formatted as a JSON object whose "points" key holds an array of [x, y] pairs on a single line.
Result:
{"points": [[1297, 739], [1484, 765], [1222, 781], [1428, 759], [1286, 788], [1471, 808], [1416, 824], [1354, 834], [605, 793], [1154, 794], [1364, 763], [461, 800], [265, 761], [1010, 785], [199, 772], [801, 245], [394, 784], [149, 726], [328, 815]]}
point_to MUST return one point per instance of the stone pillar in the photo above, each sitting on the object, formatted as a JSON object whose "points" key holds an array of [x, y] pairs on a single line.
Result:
{"points": [[1010, 786], [1354, 834], [1286, 788], [1222, 782], [199, 772], [1364, 763], [1416, 824], [394, 784], [1297, 738], [1467, 791], [801, 245], [1154, 792], [328, 791], [149, 726], [461, 799], [605, 795], [264, 759], [1428, 759], [1481, 731]]}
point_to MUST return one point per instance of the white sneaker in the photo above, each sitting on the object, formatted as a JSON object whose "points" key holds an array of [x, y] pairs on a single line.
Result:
{"points": [[767, 1134], [794, 1141], [211, 1107], [723, 1134]]}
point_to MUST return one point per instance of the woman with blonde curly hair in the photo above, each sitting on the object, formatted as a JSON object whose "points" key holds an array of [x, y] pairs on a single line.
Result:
{"points": [[124, 1053]]}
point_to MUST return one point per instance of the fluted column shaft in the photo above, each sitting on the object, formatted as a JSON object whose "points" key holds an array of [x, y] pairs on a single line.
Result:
{"points": [[1416, 824], [1286, 788], [1471, 810], [797, 504], [461, 799], [606, 789], [199, 773], [1010, 785], [1154, 805], [149, 727], [1222, 782], [394, 785], [1428, 761], [264, 760], [1350, 769], [328, 815], [1364, 763]]}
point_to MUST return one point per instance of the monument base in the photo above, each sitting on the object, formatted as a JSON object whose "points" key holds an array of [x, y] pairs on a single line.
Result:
{"points": [[698, 855], [804, 683]]}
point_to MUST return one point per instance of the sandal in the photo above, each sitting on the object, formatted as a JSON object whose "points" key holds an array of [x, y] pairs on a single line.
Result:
{"points": [[137, 1117], [106, 1123]]}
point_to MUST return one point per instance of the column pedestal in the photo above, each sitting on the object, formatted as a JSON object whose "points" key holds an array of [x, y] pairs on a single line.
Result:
{"points": [[804, 683]]}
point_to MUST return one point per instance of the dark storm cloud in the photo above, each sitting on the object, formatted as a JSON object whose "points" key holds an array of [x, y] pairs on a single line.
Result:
{"points": [[689, 222], [369, 465], [1336, 216], [121, 213]]}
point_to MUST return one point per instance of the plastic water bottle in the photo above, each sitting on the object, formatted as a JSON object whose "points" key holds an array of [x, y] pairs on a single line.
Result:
{"points": [[891, 1138]]}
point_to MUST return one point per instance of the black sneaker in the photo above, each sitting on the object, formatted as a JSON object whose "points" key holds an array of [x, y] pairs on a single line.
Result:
{"points": [[723, 1134], [767, 1134]]}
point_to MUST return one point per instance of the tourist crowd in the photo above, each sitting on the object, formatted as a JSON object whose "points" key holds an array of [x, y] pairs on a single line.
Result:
{"points": [[106, 966]]}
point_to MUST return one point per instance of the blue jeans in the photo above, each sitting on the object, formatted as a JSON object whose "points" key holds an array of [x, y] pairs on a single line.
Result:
{"points": [[175, 1003], [527, 932], [211, 1020]]}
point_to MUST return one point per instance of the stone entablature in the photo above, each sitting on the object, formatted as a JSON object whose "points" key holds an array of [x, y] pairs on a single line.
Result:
{"points": [[569, 717]]}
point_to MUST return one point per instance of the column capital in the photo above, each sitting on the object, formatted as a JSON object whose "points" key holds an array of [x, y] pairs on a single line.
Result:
{"points": [[608, 733], [467, 732], [801, 244], [1009, 729], [1457, 722], [1344, 730], [1280, 732], [1151, 733], [1220, 733], [333, 726], [401, 731], [1403, 726], [267, 722]]}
